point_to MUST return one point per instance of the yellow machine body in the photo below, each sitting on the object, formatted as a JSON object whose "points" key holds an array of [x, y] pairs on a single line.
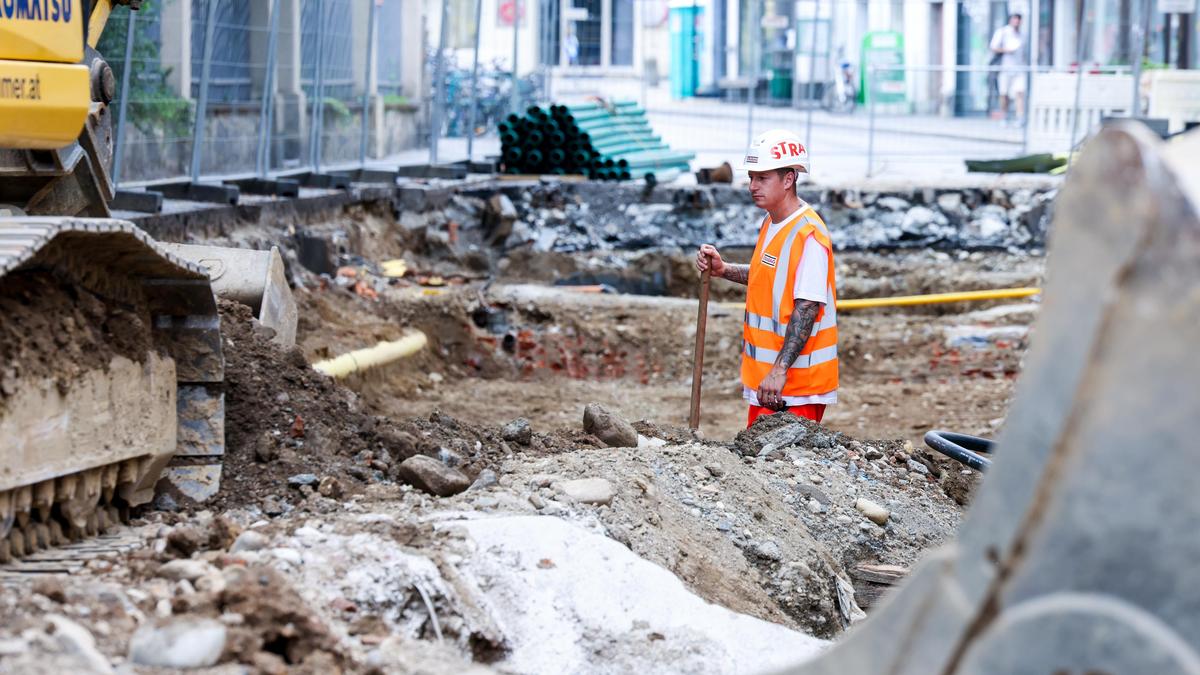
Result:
{"points": [[45, 93], [43, 106], [42, 30]]}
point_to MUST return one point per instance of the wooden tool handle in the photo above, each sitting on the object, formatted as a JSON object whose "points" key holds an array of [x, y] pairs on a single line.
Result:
{"points": [[698, 363]]}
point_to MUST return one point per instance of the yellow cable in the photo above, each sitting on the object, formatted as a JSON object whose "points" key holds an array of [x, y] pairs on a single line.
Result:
{"points": [[930, 299]]}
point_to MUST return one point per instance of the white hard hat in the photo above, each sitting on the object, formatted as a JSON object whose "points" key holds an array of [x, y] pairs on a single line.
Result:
{"points": [[776, 149]]}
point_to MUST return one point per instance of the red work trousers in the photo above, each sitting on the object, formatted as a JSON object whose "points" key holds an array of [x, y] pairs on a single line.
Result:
{"points": [[813, 411]]}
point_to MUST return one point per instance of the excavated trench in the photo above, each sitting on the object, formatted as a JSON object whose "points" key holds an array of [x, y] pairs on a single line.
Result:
{"points": [[499, 278]]}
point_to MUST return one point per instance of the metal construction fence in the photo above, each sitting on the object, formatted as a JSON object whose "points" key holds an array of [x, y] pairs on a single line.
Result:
{"points": [[213, 90], [787, 66], [218, 90]]}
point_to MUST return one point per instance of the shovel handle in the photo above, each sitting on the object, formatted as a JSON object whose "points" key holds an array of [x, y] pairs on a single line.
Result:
{"points": [[698, 362]]}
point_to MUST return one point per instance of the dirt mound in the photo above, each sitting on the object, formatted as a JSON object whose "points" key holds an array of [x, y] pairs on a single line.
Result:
{"points": [[59, 330], [827, 473], [284, 419]]}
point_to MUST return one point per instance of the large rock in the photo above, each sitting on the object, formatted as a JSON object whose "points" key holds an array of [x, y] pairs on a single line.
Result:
{"points": [[610, 428], [589, 491], [178, 643], [518, 431], [429, 475], [75, 640]]}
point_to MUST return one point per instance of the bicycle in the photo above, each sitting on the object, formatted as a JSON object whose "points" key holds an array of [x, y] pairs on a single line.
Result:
{"points": [[841, 96]]}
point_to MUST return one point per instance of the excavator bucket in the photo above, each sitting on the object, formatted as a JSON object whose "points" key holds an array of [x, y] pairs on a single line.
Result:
{"points": [[1079, 552], [254, 278]]}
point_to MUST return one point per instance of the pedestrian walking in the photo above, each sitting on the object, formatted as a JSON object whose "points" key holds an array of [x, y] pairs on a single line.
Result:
{"points": [[1007, 47]]}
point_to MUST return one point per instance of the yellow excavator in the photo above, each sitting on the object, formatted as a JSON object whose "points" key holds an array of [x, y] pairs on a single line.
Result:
{"points": [[111, 364]]}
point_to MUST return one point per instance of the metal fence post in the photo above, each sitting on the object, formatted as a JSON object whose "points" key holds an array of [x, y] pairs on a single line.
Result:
{"points": [[474, 83], [812, 74], [1135, 110], [871, 121], [1025, 112], [754, 72], [372, 47], [516, 88], [1083, 7], [267, 112], [210, 25], [318, 107], [439, 89], [123, 106]]}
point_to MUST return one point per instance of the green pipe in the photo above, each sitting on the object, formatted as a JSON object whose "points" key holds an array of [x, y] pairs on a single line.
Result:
{"points": [[619, 147], [619, 132], [656, 154], [600, 122], [584, 120], [589, 107]]}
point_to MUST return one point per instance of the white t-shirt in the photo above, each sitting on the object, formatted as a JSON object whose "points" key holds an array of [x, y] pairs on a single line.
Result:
{"points": [[812, 283], [1008, 40]]}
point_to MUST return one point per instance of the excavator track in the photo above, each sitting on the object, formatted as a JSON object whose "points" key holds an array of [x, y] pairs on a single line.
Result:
{"points": [[110, 378]]}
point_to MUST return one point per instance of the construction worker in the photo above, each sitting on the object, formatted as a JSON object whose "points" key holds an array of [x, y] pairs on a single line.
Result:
{"points": [[789, 334]]}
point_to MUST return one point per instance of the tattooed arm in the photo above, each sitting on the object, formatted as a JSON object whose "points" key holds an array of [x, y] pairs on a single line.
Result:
{"points": [[798, 331], [738, 274]]}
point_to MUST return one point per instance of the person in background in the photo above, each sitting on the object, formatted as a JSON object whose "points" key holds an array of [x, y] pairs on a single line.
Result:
{"points": [[1008, 44]]}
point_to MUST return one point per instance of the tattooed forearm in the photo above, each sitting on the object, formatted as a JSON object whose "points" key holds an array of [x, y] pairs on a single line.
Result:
{"points": [[738, 274], [798, 331]]}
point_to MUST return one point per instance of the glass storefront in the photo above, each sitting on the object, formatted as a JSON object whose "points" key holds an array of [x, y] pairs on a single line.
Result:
{"points": [[976, 92]]}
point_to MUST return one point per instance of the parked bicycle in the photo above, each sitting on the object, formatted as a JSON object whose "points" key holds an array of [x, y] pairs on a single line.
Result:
{"points": [[493, 102], [841, 95]]}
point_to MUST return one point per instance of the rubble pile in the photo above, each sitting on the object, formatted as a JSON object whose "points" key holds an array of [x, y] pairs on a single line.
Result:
{"points": [[671, 555], [569, 218]]}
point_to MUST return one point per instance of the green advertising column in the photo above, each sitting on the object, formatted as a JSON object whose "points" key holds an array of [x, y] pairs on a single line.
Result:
{"points": [[883, 48]]}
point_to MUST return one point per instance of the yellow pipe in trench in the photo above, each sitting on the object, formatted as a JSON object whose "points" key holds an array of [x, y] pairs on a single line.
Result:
{"points": [[930, 299], [365, 359], [934, 298]]}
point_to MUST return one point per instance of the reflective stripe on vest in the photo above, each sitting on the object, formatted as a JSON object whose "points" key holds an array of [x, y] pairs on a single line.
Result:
{"points": [[772, 280], [829, 320], [768, 356]]}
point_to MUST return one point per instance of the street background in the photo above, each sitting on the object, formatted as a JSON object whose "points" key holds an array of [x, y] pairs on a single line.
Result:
{"points": [[220, 90]]}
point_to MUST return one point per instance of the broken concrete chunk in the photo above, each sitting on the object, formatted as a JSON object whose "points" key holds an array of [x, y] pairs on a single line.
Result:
{"points": [[914, 465], [610, 428], [518, 431], [74, 639], [783, 437], [185, 570], [589, 490], [429, 475], [874, 512], [767, 550], [303, 479], [486, 479], [178, 643]]}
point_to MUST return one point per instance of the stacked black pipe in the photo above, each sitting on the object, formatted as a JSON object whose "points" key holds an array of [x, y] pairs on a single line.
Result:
{"points": [[550, 142]]}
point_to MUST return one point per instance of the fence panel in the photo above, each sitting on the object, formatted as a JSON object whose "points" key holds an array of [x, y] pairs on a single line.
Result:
{"points": [[159, 111], [236, 82], [985, 113]]}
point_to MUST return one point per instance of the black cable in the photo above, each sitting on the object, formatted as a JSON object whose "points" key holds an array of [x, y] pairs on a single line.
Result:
{"points": [[969, 450]]}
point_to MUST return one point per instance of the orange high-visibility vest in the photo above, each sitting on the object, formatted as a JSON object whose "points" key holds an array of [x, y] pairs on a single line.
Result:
{"points": [[769, 305]]}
